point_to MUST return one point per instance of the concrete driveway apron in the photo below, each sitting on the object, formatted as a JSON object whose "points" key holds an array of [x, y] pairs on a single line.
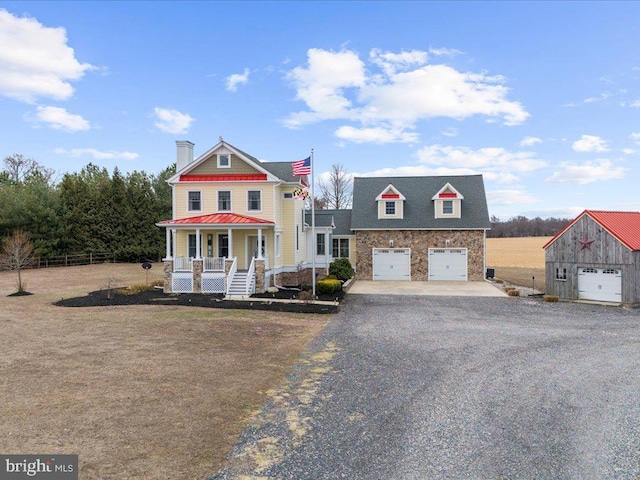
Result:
{"points": [[444, 387], [458, 289]]}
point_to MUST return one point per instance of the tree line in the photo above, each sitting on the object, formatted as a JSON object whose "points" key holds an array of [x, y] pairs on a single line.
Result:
{"points": [[87, 211], [524, 227]]}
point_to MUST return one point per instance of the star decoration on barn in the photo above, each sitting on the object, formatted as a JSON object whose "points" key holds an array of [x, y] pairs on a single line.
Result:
{"points": [[585, 243]]}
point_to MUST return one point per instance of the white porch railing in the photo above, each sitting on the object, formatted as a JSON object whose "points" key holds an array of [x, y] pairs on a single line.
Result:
{"points": [[182, 264], [232, 272], [251, 275], [213, 264]]}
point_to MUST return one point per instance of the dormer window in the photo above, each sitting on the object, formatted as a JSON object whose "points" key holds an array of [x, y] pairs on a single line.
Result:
{"points": [[224, 160], [390, 208], [447, 202], [390, 203]]}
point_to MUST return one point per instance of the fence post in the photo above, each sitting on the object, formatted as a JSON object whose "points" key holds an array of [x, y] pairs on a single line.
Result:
{"points": [[90, 258]]}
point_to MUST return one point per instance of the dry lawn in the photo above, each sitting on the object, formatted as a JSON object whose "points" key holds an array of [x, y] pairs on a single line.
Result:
{"points": [[517, 260], [138, 392]]}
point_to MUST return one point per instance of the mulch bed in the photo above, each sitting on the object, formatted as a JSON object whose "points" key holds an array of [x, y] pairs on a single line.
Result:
{"points": [[102, 298]]}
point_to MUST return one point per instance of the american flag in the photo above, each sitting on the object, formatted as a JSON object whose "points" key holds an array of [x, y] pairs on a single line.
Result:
{"points": [[302, 167]]}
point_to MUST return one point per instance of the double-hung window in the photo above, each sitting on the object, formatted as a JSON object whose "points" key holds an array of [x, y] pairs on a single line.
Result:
{"points": [[340, 248], [320, 245], [254, 203], [447, 207], [195, 201], [390, 208], [224, 201]]}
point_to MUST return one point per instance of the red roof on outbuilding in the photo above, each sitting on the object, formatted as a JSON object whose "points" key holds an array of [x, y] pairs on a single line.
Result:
{"points": [[625, 226], [228, 177], [217, 219]]}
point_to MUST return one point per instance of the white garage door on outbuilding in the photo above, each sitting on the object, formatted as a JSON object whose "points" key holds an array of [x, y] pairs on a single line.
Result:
{"points": [[392, 264], [600, 284], [448, 264]]}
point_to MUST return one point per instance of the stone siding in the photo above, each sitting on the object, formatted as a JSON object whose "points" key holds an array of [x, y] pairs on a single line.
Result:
{"points": [[260, 286], [168, 270], [420, 241]]}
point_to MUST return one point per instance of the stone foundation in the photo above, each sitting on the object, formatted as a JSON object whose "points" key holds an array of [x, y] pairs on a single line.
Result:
{"points": [[260, 286], [168, 270], [419, 242]]}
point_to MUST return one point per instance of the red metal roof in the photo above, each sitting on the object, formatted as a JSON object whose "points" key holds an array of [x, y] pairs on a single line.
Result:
{"points": [[390, 195], [217, 219], [227, 177], [448, 195], [625, 226]]}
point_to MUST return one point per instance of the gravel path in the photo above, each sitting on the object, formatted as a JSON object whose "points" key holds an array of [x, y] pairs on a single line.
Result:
{"points": [[456, 388]]}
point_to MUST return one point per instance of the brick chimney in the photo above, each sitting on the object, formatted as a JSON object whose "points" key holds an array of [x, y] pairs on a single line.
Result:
{"points": [[184, 154]]}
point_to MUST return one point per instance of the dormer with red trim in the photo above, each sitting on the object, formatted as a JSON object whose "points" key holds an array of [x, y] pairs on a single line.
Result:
{"points": [[447, 202], [390, 203]]}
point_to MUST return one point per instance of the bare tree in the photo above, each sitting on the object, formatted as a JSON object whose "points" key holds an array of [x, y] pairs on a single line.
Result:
{"points": [[16, 254], [337, 192], [18, 168]]}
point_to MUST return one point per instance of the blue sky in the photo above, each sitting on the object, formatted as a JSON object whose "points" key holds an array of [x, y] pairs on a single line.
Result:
{"points": [[542, 98]]}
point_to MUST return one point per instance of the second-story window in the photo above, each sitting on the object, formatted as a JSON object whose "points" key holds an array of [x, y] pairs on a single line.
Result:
{"points": [[254, 203], [224, 201], [447, 207], [195, 201]]}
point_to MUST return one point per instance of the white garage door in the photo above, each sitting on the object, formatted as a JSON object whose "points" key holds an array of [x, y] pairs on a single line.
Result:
{"points": [[392, 264], [601, 284], [448, 264]]}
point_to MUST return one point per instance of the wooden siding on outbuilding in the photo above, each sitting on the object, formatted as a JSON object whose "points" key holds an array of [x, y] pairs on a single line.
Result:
{"points": [[587, 244]]}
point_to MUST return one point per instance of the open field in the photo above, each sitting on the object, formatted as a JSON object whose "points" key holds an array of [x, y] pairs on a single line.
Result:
{"points": [[139, 391], [517, 260]]}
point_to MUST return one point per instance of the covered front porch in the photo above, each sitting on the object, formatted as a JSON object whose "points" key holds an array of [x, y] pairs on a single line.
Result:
{"points": [[219, 253]]}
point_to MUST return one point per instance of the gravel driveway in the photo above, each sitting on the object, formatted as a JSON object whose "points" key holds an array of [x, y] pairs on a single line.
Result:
{"points": [[456, 388]]}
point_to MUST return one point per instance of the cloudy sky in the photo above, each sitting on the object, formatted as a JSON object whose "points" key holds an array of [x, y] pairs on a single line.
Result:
{"points": [[542, 98]]}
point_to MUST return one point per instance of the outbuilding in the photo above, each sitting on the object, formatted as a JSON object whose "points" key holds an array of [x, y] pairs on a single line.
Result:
{"points": [[596, 257]]}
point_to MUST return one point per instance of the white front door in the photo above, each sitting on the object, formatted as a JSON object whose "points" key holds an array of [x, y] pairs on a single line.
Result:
{"points": [[600, 284], [448, 264], [391, 264]]}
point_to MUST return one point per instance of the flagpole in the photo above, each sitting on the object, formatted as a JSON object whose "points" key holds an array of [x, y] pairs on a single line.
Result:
{"points": [[313, 232]]}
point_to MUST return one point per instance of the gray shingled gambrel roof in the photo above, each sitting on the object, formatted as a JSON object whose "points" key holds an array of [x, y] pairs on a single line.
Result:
{"points": [[341, 219], [419, 207]]}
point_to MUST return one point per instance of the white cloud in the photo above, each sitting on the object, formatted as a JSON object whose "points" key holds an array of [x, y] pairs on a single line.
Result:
{"points": [[172, 121], [449, 52], [590, 143], [416, 171], [378, 135], [97, 154], [635, 104], [58, 119], [450, 132], [635, 137], [340, 86], [589, 172], [530, 141], [628, 151], [237, 79], [494, 163], [35, 61], [509, 197]]}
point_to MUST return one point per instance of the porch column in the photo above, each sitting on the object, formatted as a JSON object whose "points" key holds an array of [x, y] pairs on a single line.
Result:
{"points": [[197, 244], [230, 239], [168, 243], [259, 244], [174, 241]]}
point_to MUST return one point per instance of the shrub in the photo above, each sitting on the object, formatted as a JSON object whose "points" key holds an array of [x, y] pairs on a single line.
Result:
{"points": [[341, 268], [498, 280], [133, 289], [306, 296], [513, 293], [328, 286], [550, 298]]}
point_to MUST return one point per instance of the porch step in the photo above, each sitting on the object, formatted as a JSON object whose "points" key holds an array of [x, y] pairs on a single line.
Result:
{"points": [[238, 284]]}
